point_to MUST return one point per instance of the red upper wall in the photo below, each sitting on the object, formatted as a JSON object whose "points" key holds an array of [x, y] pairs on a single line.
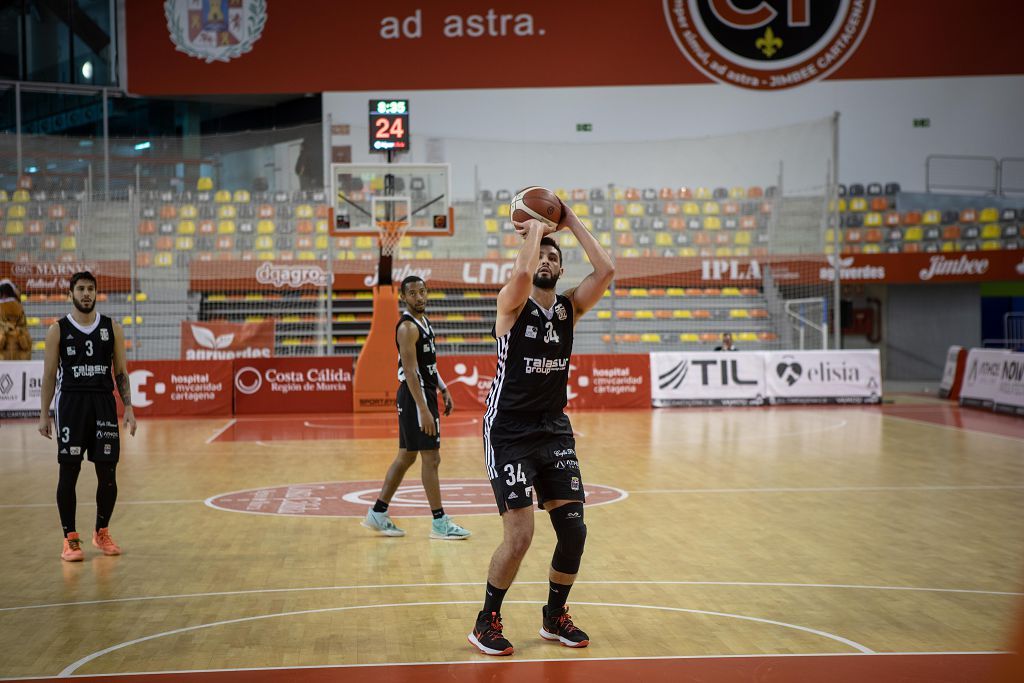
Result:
{"points": [[325, 45]]}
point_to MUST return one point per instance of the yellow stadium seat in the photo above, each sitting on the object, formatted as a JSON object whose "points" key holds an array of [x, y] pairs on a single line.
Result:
{"points": [[689, 337], [723, 251], [188, 211], [581, 209], [3, 196], [226, 228], [204, 184], [21, 196], [639, 292], [737, 193], [675, 291], [364, 242], [227, 211], [187, 228], [990, 231], [241, 197], [702, 193], [745, 336], [264, 242], [303, 211], [68, 243], [621, 225], [858, 204], [424, 254], [561, 194], [184, 243], [307, 256], [988, 215], [684, 314], [164, 259], [872, 249], [742, 238], [872, 219], [222, 196], [645, 315], [490, 225], [663, 239], [711, 209], [16, 211], [503, 210], [405, 243], [931, 217], [712, 223], [691, 208], [634, 209], [604, 315], [739, 313], [991, 245], [650, 338], [687, 251], [15, 228], [730, 291], [265, 227], [741, 251], [948, 246], [321, 226], [320, 242], [913, 234], [266, 255], [567, 240], [604, 238]]}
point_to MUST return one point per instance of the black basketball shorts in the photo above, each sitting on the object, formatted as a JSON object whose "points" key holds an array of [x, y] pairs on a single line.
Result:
{"points": [[86, 423], [531, 453], [410, 435]]}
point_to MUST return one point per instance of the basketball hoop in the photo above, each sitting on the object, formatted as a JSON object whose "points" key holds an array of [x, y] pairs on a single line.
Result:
{"points": [[389, 234]]}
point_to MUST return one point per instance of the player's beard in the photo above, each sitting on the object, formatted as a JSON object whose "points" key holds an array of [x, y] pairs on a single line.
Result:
{"points": [[544, 280], [81, 307]]}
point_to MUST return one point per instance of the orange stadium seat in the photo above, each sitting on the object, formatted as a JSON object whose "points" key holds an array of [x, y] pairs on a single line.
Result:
{"points": [[911, 218], [968, 216], [685, 193], [879, 204]]}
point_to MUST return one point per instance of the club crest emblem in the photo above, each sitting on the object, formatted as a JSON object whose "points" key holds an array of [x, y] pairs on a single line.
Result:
{"points": [[215, 30]]}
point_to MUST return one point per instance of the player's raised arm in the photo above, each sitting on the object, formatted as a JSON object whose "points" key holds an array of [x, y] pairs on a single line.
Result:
{"points": [[51, 358], [520, 283], [586, 295]]}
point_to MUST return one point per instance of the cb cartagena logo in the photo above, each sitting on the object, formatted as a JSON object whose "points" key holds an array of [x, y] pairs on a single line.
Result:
{"points": [[768, 44]]}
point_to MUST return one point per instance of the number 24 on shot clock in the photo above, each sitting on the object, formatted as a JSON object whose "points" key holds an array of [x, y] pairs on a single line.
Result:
{"points": [[389, 125]]}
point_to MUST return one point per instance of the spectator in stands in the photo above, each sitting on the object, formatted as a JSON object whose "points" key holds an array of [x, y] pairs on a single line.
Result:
{"points": [[726, 343], [304, 168], [15, 341]]}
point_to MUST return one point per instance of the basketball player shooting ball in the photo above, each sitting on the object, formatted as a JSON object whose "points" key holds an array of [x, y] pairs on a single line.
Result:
{"points": [[528, 440]]}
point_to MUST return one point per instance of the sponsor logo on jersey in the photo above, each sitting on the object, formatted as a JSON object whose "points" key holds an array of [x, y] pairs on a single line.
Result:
{"points": [[531, 331], [63, 451], [76, 450], [106, 449], [575, 486], [512, 496], [100, 434], [70, 336], [561, 312], [90, 370], [71, 350], [104, 335], [545, 366], [535, 312], [567, 465]]}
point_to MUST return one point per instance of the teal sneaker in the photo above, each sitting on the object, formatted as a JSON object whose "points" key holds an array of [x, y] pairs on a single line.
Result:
{"points": [[381, 523], [445, 529]]}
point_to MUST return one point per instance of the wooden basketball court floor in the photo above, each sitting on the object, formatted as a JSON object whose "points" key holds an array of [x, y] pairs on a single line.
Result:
{"points": [[743, 544]]}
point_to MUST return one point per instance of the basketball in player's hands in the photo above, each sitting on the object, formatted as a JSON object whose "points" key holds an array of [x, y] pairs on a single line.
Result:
{"points": [[536, 202]]}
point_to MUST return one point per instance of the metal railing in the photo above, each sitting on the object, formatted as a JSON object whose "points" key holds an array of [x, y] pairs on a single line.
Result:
{"points": [[976, 174], [800, 323]]}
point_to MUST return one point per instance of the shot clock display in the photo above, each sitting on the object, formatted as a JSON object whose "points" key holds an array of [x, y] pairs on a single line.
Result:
{"points": [[389, 125]]}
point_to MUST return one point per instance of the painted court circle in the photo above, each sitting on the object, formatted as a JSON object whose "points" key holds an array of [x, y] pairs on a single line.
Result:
{"points": [[351, 498]]}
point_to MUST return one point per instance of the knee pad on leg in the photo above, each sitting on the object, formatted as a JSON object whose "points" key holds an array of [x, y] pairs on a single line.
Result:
{"points": [[571, 532]]}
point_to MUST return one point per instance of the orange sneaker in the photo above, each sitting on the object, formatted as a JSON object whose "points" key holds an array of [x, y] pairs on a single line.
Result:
{"points": [[102, 540], [72, 549]]}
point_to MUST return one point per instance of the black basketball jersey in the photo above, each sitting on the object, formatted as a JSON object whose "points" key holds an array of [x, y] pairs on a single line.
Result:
{"points": [[86, 356], [533, 360], [426, 354]]}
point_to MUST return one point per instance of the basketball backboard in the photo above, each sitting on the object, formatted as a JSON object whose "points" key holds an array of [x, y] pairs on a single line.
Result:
{"points": [[367, 195]]}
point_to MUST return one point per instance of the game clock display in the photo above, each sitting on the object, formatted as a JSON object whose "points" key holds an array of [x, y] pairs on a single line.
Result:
{"points": [[389, 125]]}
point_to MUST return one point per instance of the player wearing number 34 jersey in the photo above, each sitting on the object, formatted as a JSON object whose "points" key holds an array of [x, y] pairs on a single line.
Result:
{"points": [[528, 440]]}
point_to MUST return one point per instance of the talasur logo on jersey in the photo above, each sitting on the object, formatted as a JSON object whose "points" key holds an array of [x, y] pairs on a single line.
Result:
{"points": [[215, 30], [768, 45], [545, 366]]}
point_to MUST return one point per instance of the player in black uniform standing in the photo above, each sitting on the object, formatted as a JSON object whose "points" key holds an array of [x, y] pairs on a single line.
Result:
{"points": [[528, 441], [81, 350], [419, 421]]}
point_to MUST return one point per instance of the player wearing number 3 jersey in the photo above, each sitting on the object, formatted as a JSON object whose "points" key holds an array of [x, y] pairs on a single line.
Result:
{"points": [[528, 440]]}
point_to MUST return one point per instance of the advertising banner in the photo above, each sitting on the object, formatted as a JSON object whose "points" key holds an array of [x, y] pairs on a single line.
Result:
{"points": [[823, 376], [21, 386], [54, 277], [293, 385], [733, 378], [953, 373], [263, 46], [226, 341], [994, 378], [595, 380], [175, 388]]}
